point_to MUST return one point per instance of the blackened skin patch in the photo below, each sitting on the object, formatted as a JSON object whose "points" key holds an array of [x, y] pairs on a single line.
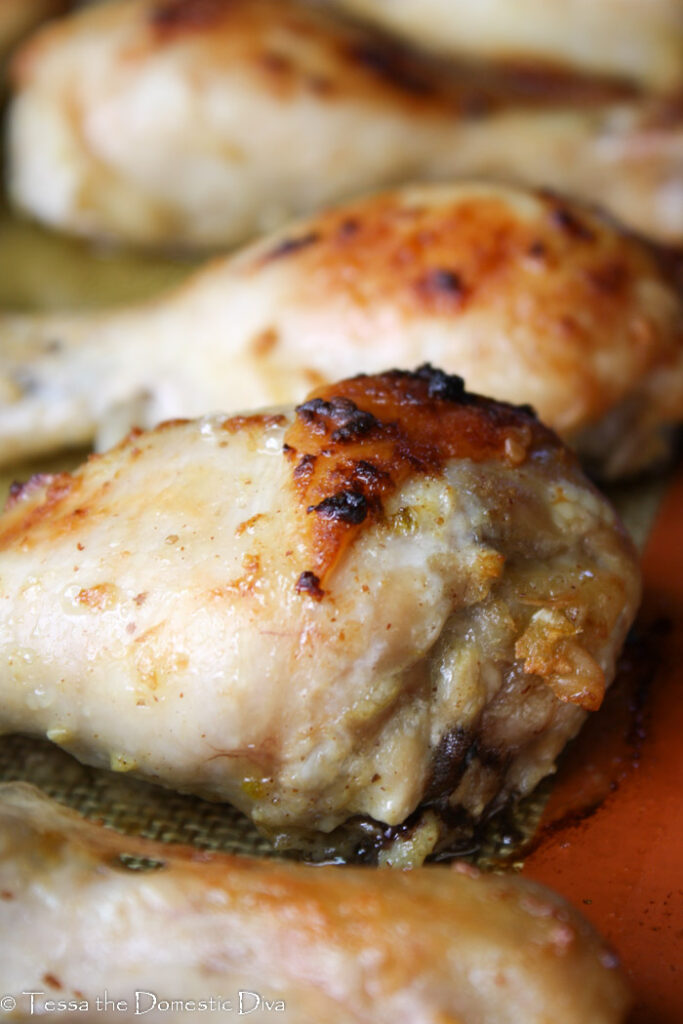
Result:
{"points": [[448, 763], [445, 386], [345, 507], [308, 583]]}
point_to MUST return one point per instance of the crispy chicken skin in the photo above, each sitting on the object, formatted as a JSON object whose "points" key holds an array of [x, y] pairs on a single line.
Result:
{"points": [[203, 122], [530, 298], [340, 945], [17, 17], [633, 39], [397, 595]]}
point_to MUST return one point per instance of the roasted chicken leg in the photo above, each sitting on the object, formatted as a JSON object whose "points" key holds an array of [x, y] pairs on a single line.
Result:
{"points": [[632, 39], [203, 122], [529, 298], [339, 945], [399, 595]]}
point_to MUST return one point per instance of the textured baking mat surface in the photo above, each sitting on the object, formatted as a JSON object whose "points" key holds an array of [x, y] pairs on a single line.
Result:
{"points": [[39, 270]]}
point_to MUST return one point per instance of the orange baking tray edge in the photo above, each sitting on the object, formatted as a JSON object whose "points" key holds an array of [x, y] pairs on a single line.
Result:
{"points": [[623, 864]]}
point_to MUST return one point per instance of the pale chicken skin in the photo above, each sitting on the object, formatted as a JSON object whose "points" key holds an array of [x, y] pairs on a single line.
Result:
{"points": [[203, 122], [631, 39], [397, 596], [341, 945], [530, 298]]}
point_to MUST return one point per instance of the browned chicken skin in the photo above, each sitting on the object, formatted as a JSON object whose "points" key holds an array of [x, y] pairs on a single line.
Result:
{"points": [[334, 945], [398, 599], [529, 297]]}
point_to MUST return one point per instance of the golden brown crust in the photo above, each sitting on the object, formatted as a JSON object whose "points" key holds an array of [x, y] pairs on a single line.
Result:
{"points": [[441, 259], [264, 420], [356, 442], [529, 297], [45, 493], [586, 289]]}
